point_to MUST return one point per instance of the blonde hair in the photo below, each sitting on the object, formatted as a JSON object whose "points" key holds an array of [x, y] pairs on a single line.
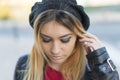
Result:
{"points": [[74, 67]]}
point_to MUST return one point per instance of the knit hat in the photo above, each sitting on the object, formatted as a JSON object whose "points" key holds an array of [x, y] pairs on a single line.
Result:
{"points": [[66, 5]]}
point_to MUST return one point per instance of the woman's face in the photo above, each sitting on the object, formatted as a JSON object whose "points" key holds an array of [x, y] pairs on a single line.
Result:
{"points": [[57, 42]]}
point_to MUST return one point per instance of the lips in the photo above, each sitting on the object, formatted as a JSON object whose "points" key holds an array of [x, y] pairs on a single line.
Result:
{"points": [[56, 57]]}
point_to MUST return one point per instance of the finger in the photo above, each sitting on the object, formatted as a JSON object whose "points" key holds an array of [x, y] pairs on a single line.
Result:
{"points": [[87, 40], [92, 43], [89, 47], [92, 37], [89, 35]]}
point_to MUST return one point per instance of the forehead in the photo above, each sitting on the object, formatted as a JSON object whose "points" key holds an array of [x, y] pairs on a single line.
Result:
{"points": [[53, 28]]}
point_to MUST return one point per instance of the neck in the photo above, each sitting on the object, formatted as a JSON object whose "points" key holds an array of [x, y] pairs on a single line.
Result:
{"points": [[55, 66]]}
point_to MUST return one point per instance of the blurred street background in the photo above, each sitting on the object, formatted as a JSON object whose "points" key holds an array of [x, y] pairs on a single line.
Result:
{"points": [[16, 35]]}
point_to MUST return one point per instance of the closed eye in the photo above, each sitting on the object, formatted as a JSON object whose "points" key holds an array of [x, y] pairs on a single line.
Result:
{"points": [[65, 40], [46, 40]]}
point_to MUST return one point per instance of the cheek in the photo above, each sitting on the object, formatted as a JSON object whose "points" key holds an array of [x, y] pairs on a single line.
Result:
{"points": [[72, 43], [70, 46], [46, 48]]}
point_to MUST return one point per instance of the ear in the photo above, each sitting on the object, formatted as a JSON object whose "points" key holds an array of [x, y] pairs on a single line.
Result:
{"points": [[78, 38]]}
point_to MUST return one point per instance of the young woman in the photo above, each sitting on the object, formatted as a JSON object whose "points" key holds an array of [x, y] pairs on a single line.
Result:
{"points": [[62, 49]]}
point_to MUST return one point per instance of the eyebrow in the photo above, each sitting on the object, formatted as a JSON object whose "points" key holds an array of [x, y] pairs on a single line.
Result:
{"points": [[59, 37]]}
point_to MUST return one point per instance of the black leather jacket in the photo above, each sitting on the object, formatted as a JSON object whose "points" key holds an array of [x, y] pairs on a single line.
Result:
{"points": [[99, 67]]}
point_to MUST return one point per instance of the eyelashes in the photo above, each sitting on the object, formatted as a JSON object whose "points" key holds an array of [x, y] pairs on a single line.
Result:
{"points": [[46, 40], [64, 40]]}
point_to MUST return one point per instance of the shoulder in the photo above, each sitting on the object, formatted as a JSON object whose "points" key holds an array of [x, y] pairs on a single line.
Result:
{"points": [[20, 67], [88, 73], [22, 62]]}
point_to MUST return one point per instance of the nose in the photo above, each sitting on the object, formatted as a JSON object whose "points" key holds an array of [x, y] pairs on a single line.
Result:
{"points": [[55, 48]]}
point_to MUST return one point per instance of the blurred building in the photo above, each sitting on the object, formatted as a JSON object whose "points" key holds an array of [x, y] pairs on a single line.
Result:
{"points": [[99, 2], [20, 9], [15, 9]]}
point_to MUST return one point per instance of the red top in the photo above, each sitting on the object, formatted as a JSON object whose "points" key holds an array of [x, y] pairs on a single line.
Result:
{"points": [[51, 74]]}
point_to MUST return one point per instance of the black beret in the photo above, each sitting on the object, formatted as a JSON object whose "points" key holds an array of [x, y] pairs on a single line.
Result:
{"points": [[66, 5]]}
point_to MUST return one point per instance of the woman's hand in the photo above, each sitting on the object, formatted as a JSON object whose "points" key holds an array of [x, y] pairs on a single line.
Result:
{"points": [[91, 42]]}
